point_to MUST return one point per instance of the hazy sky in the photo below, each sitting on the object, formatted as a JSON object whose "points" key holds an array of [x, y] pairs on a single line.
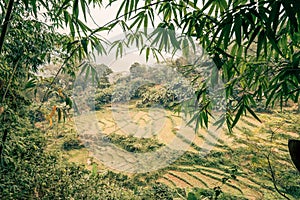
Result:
{"points": [[101, 17]]}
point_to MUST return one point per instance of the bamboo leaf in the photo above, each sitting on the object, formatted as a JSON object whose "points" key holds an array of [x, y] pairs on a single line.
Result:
{"points": [[75, 8], [292, 15], [64, 114], [84, 43], [69, 102], [34, 8], [147, 53], [260, 42], [59, 114], [87, 73], [227, 31], [120, 9], [237, 29], [252, 113], [274, 14], [83, 8], [238, 115], [253, 36]]}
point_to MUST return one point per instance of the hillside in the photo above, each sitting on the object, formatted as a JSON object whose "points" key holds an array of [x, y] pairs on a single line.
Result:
{"points": [[237, 163]]}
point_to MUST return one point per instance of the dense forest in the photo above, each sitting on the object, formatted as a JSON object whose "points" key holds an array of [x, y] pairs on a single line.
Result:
{"points": [[208, 115]]}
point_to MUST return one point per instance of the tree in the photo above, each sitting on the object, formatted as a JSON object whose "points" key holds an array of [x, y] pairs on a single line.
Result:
{"points": [[137, 70]]}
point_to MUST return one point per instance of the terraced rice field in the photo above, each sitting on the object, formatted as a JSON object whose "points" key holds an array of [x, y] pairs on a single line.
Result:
{"points": [[236, 162]]}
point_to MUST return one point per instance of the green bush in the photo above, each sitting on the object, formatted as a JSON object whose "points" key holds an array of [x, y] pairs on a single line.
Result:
{"points": [[121, 93], [102, 97], [134, 144], [72, 143], [159, 191], [199, 193]]}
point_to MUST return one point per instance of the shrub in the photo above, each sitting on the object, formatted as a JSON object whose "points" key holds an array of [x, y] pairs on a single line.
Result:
{"points": [[102, 97], [159, 191], [71, 143], [134, 144]]}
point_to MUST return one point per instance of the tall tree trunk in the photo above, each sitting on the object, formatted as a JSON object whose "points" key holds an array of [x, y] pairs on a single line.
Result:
{"points": [[2, 38], [6, 23]]}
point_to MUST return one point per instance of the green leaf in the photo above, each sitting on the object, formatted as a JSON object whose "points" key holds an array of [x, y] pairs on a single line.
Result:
{"points": [[252, 113], [220, 122], [274, 14], [126, 9], [211, 9], [217, 60], [83, 8], [237, 29], [75, 8], [145, 24], [72, 29], [63, 7], [69, 102], [292, 15], [120, 9], [84, 43], [147, 53], [253, 36], [238, 115], [173, 40], [207, 5], [191, 196], [34, 8], [260, 42], [65, 114], [132, 2], [59, 114], [224, 53], [270, 97], [223, 3], [26, 3], [227, 31], [87, 73], [240, 52], [31, 84]]}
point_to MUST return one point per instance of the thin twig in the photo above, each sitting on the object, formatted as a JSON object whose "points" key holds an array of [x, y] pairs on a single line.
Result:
{"points": [[274, 179], [271, 169]]}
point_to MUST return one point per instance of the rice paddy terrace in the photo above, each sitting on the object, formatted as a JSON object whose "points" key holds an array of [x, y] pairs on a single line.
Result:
{"points": [[239, 163]]}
